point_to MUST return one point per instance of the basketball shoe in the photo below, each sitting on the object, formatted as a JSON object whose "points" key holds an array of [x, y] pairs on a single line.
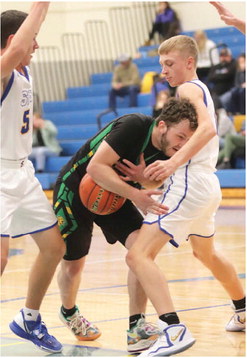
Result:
{"points": [[141, 336], [80, 327], [174, 339], [237, 322], [36, 332]]}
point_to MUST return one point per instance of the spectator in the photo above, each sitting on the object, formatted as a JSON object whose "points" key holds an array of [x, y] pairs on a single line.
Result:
{"points": [[166, 23], [126, 81], [225, 125], [160, 93], [222, 76], [208, 54], [45, 143], [234, 144], [234, 100]]}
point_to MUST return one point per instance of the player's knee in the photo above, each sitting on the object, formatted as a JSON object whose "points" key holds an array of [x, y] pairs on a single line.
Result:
{"points": [[54, 251], [204, 257], [132, 260], [71, 269]]}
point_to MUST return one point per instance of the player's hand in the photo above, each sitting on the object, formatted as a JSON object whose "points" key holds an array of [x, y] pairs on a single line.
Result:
{"points": [[224, 13], [160, 170], [131, 171], [144, 201]]}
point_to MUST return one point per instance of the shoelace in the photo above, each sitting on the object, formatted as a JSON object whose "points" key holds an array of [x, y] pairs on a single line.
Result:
{"points": [[79, 322], [40, 331], [148, 326]]}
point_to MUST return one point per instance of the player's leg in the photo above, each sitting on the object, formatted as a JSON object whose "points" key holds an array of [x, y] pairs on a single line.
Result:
{"points": [[69, 278], [123, 226], [28, 324], [76, 225], [224, 271], [175, 336], [4, 252], [140, 259], [51, 250], [137, 296], [141, 334]]}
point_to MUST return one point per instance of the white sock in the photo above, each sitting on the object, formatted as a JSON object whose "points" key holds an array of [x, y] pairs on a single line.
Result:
{"points": [[30, 315]]}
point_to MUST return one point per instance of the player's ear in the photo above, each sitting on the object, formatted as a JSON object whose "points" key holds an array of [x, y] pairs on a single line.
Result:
{"points": [[190, 62], [9, 40], [162, 126]]}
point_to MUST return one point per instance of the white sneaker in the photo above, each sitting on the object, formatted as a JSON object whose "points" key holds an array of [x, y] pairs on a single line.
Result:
{"points": [[237, 322], [175, 338]]}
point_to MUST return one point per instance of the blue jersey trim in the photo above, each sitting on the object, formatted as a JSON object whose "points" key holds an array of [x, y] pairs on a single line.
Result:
{"points": [[8, 87], [204, 94], [184, 194], [207, 237], [2, 235], [34, 232], [26, 73], [160, 217], [172, 241]]}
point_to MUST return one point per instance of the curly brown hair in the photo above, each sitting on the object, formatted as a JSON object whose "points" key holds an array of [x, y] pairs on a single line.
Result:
{"points": [[176, 110]]}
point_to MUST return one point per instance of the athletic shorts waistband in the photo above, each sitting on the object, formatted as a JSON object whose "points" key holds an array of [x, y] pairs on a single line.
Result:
{"points": [[8, 163]]}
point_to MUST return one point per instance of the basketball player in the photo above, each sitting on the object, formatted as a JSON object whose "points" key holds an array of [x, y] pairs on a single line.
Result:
{"points": [[125, 137], [192, 193], [24, 207]]}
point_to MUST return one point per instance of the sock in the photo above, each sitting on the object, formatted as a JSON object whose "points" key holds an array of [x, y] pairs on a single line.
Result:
{"points": [[239, 304], [67, 312], [134, 319], [170, 318], [30, 315]]}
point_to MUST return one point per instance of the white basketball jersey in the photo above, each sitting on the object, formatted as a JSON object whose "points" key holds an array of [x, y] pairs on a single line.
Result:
{"points": [[207, 157], [17, 117]]}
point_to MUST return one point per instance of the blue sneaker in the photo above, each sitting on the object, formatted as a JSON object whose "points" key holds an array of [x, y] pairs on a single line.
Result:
{"points": [[36, 332]]}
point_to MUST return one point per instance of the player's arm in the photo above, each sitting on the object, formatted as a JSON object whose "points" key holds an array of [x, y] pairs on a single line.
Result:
{"points": [[204, 132], [101, 170], [23, 38], [135, 173], [228, 17]]}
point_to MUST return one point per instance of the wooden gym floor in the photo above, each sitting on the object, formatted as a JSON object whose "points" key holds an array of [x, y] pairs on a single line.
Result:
{"points": [[200, 301]]}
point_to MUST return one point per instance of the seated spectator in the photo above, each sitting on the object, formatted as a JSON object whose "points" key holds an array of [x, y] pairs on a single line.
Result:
{"points": [[125, 81], [45, 143], [233, 143], [160, 93], [221, 76], [208, 54], [234, 100], [161, 99], [166, 23], [225, 125]]}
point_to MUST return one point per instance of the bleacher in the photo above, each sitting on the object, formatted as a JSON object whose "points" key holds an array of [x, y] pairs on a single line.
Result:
{"points": [[76, 117], [229, 36]]}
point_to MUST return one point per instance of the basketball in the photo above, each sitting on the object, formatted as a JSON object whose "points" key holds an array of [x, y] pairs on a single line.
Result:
{"points": [[98, 200]]}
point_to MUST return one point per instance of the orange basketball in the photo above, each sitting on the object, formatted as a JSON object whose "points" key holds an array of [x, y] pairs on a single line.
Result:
{"points": [[98, 200]]}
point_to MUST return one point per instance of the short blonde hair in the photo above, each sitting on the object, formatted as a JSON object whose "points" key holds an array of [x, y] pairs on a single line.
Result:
{"points": [[182, 43]]}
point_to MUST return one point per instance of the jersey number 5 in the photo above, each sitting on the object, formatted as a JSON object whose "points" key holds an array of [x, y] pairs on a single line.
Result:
{"points": [[25, 127]]}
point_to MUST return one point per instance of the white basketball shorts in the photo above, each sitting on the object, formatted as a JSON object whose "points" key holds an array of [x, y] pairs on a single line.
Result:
{"points": [[193, 197], [25, 208]]}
